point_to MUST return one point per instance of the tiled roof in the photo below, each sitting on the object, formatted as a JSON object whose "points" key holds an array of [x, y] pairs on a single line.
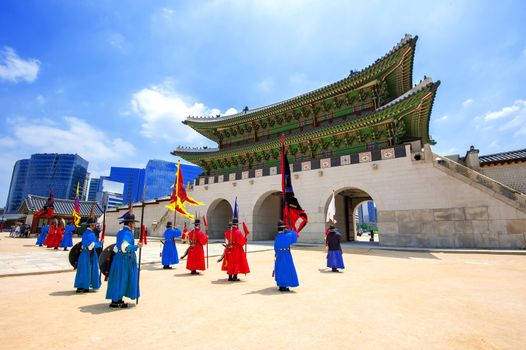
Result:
{"points": [[204, 119], [63, 206], [518, 155]]}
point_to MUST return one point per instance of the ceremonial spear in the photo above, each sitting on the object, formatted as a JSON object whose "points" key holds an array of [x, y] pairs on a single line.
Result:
{"points": [[140, 247]]}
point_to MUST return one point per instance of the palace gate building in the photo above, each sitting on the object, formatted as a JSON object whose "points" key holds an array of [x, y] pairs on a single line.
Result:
{"points": [[366, 137]]}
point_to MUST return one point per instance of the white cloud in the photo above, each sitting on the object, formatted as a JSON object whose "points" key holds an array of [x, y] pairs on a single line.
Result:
{"points": [[520, 132], [162, 111], [41, 99], [117, 40], [72, 135], [230, 111], [266, 85], [13, 68], [467, 102], [168, 12], [443, 118], [7, 142], [506, 111], [524, 53]]}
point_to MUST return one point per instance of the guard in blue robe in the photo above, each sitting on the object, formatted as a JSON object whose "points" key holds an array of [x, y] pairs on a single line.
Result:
{"points": [[67, 240], [284, 270], [169, 253], [88, 275], [123, 276], [334, 249], [42, 236]]}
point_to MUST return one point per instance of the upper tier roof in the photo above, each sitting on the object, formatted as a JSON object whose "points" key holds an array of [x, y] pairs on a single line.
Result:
{"points": [[353, 81], [427, 83]]}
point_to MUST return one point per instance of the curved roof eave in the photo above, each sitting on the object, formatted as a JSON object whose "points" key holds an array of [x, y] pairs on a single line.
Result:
{"points": [[356, 76]]}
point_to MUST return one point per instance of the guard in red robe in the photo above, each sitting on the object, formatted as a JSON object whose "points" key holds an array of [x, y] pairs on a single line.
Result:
{"points": [[50, 238], [235, 261], [59, 233], [196, 253]]}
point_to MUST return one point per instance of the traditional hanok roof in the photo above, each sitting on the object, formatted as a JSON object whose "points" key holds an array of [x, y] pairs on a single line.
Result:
{"points": [[398, 60], [503, 157], [414, 107], [62, 207]]}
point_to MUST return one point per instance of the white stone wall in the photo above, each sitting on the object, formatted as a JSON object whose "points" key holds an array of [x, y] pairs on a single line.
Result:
{"points": [[395, 185], [512, 175]]}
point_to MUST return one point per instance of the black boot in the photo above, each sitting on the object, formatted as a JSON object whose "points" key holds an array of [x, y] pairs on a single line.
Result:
{"points": [[194, 272], [167, 267], [283, 289], [335, 269], [79, 290], [230, 278], [234, 277]]}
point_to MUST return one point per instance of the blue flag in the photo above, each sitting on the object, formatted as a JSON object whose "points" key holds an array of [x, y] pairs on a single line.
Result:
{"points": [[236, 211]]}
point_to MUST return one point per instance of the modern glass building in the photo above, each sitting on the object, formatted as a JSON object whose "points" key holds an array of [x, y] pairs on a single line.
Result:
{"points": [[160, 175], [133, 180], [94, 187], [45, 172], [17, 189]]}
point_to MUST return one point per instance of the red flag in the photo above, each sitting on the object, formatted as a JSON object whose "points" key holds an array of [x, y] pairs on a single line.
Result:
{"points": [[48, 210], [103, 232], [143, 235], [292, 211], [245, 229], [204, 221]]}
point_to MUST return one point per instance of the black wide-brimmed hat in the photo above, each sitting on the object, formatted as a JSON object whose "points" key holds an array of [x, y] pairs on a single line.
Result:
{"points": [[281, 225], [197, 222], [235, 221], [169, 224], [127, 218], [91, 221]]}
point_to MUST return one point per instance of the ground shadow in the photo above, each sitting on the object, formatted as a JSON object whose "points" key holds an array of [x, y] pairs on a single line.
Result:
{"points": [[189, 275], [328, 270], [226, 281], [97, 309], [64, 293], [269, 291]]}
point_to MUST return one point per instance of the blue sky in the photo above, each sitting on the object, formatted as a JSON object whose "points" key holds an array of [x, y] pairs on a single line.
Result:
{"points": [[112, 80]]}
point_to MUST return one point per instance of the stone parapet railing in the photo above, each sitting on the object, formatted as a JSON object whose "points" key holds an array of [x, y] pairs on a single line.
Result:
{"points": [[393, 152], [496, 189]]}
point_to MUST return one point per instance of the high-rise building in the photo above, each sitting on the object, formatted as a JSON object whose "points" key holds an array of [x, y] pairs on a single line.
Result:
{"points": [[133, 180], [94, 187], [43, 173], [160, 175], [17, 189]]}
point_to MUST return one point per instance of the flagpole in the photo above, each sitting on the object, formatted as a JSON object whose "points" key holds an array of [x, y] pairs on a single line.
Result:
{"points": [[206, 227], [105, 205], [140, 247]]}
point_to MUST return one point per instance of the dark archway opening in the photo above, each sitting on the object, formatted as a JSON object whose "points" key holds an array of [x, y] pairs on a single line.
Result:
{"points": [[266, 216]]}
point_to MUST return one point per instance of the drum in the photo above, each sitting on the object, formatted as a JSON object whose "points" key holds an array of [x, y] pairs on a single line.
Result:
{"points": [[105, 259]]}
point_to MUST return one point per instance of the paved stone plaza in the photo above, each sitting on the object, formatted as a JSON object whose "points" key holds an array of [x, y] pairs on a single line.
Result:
{"points": [[384, 300]]}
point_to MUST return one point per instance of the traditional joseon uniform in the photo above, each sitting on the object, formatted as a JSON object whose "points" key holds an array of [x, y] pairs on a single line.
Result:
{"points": [[196, 254], [123, 276], [88, 275], [235, 260], [50, 235], [334, 252], [67, 240], [57, 237], [42, 236], [284, 270], [169, 253]]}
